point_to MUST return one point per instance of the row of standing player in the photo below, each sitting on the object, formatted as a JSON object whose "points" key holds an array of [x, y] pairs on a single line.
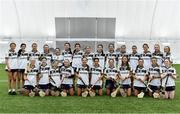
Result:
{"points": [[17, 61]]}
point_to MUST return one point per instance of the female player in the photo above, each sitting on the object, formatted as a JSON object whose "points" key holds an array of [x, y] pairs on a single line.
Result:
{"points": [[168, 76], [158, 54], [34, 54], [100, 55], [111, 54], [44, 72], [125, 75], [67, 73], [22, 63], [167, 54], [112, 75], [121, 54], [30, 77], [83, 76], [133, 58], [89, 55], [55, 81], [154, 77], [11, 60], [77, 56], [140, 76], [146, 56], [67, 53], [46, 53], [58, 57], [96, 77]]}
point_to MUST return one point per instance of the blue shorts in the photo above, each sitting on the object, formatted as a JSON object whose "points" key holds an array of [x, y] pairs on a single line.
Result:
{"points": [[110, 84], [126, 86], [44, 86], [97, 87], [29, 87], [154, 88]]}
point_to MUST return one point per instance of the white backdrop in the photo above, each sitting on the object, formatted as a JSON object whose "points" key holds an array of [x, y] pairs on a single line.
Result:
{"points": [[136, 20]]}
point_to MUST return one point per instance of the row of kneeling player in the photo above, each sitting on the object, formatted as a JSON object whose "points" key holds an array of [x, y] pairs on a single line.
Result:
{"points": [[55, 80]]}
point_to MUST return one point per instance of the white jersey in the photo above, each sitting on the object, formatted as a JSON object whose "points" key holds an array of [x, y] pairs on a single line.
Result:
{"points": [[44, 75], [133, 60], [23, 60], [84, 74], [48, 57], [111, 72], [124, 72], [101, 58], [90, 59], [58, 58], [140, 73], [66, 75], [55, 75], [31, 77], [95, 74], [12, 59], [110, 56], [168, 78], [155, 72], [35, 55], [147, 59], [77, 56], [159, 57], [67, 55]]}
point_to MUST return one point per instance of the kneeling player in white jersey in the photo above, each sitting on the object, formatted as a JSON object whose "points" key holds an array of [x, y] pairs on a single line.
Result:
{"points": [[96, 77], [139, 78], [154, 78], [83, 76], [67, 73], [125, 75], [168, 79], [30, 77], [55, 81], [112, 75], [44, 72]]}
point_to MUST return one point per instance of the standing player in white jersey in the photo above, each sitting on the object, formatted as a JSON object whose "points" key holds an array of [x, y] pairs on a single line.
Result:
{"points": [[22, 63], [158, 54], [140, 76], [111, 54], [30, 77], [125, 73], [96, 77], [82, 72], [58, 57], [77, 56], [89, 55], [112, 75], [154, 77], [11, 59], [133, 58], [67, 73], [44, 72], [100, 55], [55, 81], [168, 76], [120, 55], [34, 54], [146, 56], [67, 53], [46, 53], [167, 54]]}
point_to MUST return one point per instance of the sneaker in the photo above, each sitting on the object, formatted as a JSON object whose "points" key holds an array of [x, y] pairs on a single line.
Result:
{"points": [[14, 93], [9, 92]]}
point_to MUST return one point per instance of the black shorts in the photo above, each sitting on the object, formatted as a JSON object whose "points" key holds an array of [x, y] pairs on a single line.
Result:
{"points": [[67, 86], [110, 84], [97, 87], [12, 70], [170, 88], [154, 88], [43, 86], [140, 88], [29, 87], [81, 86], [126, 86], [21, 70], [53, 88]]}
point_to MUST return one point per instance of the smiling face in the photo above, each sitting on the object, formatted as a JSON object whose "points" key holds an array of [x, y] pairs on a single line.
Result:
{"points": [[99, 49], [57, 51], [77, 47], [166, 49], [66, 63], [141, 62], [96, 62], [167, 62], [84, 61], [44, 62], [88, 50], [156, 47], [111, 63], [12, 46], [154, 61], [23, 47], [34, 46], [66, 46]]}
